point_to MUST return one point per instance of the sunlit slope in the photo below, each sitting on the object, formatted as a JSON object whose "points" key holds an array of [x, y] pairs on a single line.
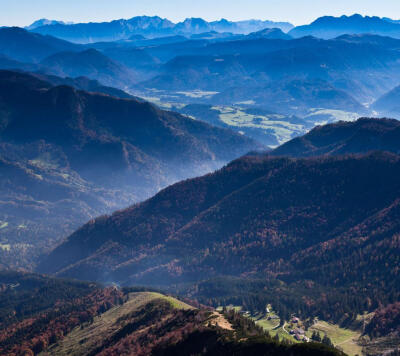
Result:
{"points": [[85, 339]]}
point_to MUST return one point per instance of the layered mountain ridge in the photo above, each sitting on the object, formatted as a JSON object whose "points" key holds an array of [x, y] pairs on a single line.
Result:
{"points": [[261, 218], [111, 172], [150, 27], [68, 155]]}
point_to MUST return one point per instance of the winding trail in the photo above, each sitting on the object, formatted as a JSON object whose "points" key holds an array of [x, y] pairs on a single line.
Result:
{"points": [[343, 342], [283, 327], [276, 326]]}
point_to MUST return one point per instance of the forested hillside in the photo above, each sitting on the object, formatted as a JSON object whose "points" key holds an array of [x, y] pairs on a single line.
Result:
{"points": [[68, 155], [318, 225], [59, 317]]}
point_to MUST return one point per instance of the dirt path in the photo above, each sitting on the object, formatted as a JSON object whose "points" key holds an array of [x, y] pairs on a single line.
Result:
{"points": [[218, 319], [276, 326], [283, 327], [343, 342]]}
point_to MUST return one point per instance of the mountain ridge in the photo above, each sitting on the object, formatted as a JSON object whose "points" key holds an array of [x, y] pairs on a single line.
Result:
{"points": [[329, 27], [26, 46], [260, 217], [90, 63], [361, 136], [151, 27], [88, 149]]}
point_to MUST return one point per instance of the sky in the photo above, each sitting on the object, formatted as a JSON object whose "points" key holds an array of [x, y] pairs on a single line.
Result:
{"points": [[298, 12]]}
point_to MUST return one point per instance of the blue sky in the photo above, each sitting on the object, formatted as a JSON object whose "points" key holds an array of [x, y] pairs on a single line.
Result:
{"points": [[23, 12]]}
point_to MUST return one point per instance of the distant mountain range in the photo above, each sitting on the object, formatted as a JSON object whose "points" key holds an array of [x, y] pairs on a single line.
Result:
{"points": [[223, 66], [326, 27], [227, 65], [291, 219], [330, 27], [68, 155], [149, 27]]}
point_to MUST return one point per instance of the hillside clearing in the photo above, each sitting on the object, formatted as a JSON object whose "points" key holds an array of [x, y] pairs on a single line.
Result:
{"points": [[83, 339], [345, 339], [217, 319]]}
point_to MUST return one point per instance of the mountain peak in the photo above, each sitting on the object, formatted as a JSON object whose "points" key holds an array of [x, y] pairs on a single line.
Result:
{"points": [[193, 25], [270, 33], [45, 22]]}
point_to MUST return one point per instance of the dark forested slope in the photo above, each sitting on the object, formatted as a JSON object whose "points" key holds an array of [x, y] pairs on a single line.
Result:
{"points": [[259, 217]]}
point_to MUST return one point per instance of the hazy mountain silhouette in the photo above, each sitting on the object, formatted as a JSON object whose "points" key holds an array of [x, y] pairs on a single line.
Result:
{"points": [[331, 27], [83, 83], [388, 104], [89, 63], [342, 62], [150, 27], [26, 46], [270, 33], [109, 31]]}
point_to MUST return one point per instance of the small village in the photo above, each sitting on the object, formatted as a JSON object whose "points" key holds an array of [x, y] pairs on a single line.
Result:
{"points": [[294, 327], [297, 330], [293, 330]]}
